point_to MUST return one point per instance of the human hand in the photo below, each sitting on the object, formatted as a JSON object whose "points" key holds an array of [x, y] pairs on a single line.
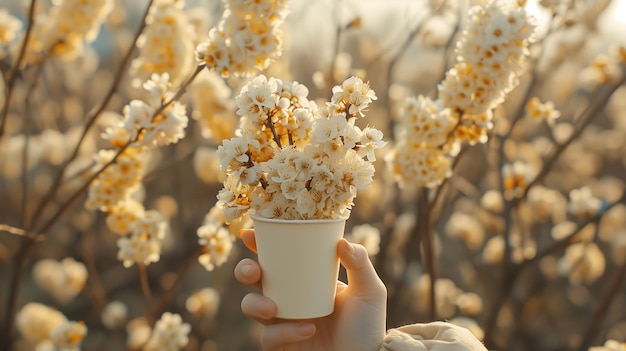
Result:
{"points": [[357, 323]]}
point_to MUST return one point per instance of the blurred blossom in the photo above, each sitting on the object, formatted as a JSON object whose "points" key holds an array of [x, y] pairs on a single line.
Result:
{"points": [[166, 45], [547, 204], [169, 334], [137, 333], [68, 335], [542, 111], [466, 228], [610, 345], [366, 235], [618, 247], [447, 295], [562, 230], [204, 303], [206, 164], [49, 329], [114, 315], [492, 201], [63, 280], [213, 106], [36, 321], [470, 304], [603, 69], [515, 178], [65, 27], [612, 221], [9, 28], [494, 250], [582, 203], [583, 263]]}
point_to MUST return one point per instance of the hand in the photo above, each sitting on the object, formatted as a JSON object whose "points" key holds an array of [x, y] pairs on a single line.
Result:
{"points": [[358, 322]]}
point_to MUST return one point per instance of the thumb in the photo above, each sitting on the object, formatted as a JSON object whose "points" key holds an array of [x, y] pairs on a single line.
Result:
{"points": [[362, 277]]}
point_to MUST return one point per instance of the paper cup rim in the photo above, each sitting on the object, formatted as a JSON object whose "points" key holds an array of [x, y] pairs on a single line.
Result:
{"points": [[297, 221]]}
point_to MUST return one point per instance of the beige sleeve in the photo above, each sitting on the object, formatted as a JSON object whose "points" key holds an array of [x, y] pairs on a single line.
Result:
{"points": [[435, 336]]}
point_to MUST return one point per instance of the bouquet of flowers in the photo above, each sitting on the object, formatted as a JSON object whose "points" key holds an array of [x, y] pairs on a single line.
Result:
{"points": [[293, 159]]}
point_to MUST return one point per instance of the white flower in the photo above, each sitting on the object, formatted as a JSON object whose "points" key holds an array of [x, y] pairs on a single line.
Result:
{"points": [[217, 244], [143, 245], [169, 334], [354, 95], [294, 160]]}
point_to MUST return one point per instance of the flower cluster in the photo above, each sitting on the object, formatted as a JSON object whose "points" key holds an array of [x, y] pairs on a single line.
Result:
{"points": [[63, 30], [152, 123], [417, 157], [295, 160], [49, 329], [166, 45], [216, 237], [145, 125], [246, 39], [490, 57]]}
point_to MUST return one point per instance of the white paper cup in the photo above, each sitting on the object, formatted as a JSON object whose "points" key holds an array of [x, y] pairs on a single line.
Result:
{"points": [[299, 264]]}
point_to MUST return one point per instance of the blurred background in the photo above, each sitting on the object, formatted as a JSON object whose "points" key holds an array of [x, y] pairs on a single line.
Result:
{"points": [[565, 300]]}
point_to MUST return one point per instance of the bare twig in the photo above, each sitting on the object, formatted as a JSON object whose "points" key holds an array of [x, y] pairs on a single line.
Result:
{"points": [[167, 295], [145, 285], [598, 316], [93, 280], [429, 259], [15, 71]]}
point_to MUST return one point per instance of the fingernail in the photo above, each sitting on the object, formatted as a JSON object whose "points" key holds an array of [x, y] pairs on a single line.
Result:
{"points": [[264, 308], [247, 271], [306, 329]]}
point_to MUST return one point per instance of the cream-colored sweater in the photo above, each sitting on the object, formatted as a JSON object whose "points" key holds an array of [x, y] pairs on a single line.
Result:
{"points": [[435, 336]]}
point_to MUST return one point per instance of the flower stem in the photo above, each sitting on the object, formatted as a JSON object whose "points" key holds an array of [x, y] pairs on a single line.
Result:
{"points": [[145, 285], [271, 126]]}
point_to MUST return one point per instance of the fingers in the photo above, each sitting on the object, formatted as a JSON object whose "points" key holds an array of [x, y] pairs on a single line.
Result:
{"points": [[362, 277], [248, 272], [275, 336], [258, 307], [247, 236]]}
